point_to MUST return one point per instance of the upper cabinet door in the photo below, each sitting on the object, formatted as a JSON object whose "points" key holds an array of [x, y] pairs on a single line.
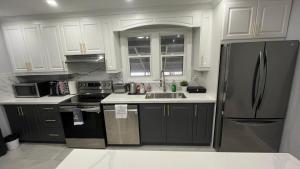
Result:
{"points": [[72, 38], [112, 48], [53, 46], [239, 20], [91, 36], [34, 48], [273, 18], [16, 48]]}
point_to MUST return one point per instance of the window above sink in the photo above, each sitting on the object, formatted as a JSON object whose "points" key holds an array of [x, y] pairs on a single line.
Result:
{"points": [[145, 52]]}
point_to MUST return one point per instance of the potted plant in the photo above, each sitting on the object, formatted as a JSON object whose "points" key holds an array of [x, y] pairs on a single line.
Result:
{"points": [[184, 85]]}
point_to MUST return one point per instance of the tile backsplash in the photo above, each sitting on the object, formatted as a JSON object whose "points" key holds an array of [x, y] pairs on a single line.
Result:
{"points": [[97, 72], [6, 82]]}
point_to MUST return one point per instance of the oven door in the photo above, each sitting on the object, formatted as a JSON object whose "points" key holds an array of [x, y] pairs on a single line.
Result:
{"points": [[89, 135]]}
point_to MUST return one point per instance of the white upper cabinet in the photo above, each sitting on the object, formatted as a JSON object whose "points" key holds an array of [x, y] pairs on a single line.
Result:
{"points": [[34, 48], [82, 37], [273, 18], [239, 22], [92, 36], [112, 48], [72, 38], [202, 43], [16, 48], [251, 19], [188, 19], [53, 46], [33, 43]]}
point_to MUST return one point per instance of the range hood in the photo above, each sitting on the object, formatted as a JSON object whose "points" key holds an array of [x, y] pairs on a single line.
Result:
{"points": [[93, 58]]}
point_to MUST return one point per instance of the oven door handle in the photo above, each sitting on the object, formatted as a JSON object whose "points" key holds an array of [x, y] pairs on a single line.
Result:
{"points": [[89, 109], [92, 110]]}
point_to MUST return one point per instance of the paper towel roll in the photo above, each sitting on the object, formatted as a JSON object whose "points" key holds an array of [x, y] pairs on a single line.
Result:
{"points": [[72, 87]]}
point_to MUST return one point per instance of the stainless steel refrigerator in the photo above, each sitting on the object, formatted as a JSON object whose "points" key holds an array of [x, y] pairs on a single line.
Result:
{"points": [[253, 94]]}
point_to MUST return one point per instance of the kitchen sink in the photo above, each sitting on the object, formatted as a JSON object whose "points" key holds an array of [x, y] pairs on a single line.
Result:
{"points": [[165, 95]]}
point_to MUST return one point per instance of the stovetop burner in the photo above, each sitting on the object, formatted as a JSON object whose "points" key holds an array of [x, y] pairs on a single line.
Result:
{"points": [[84, 100], [90, 93]]}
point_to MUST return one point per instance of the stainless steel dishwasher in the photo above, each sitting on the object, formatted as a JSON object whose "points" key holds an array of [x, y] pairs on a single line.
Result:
{"points": [[122, 131]]}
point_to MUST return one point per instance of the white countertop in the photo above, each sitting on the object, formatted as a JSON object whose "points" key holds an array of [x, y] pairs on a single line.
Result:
{"points": [[127, 99], [41, 100], [135, 159]]}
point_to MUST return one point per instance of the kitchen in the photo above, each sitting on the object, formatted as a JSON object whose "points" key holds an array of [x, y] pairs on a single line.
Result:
{"points": [[168, 81]]}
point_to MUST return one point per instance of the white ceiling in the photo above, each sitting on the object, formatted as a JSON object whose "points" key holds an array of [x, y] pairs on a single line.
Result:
{"points": [[31, 7]]}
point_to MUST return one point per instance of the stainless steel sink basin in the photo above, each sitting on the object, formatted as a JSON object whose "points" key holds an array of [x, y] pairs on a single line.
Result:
{"points": [[165, 95]]}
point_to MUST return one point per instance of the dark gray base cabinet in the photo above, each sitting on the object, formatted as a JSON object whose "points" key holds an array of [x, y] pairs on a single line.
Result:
{"points": [[34, 123], [176, 124]]}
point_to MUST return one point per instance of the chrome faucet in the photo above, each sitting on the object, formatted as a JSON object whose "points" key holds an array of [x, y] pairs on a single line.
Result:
{"points": [[163, 80]]}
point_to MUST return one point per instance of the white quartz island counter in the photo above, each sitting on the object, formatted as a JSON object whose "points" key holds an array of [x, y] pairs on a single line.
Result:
{"points": [[135, 159], [129, 99], [41, 100]]}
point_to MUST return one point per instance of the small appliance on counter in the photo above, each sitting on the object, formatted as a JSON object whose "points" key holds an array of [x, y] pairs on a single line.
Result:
{"points": [[37, 89], [72, 87], [121, 87], [196, 89], [132, 88], [59, 88]]}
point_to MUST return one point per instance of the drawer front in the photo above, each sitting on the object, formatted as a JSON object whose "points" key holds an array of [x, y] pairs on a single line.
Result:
{"points": [[48, 108], [51, 120], [54, 135], [50, 116]]}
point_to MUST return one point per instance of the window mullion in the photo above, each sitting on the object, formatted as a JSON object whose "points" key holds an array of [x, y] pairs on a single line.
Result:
{"points": [[156, 63]]}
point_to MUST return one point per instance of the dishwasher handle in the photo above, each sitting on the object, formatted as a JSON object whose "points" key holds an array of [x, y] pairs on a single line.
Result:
{"points": [[128, 110]]}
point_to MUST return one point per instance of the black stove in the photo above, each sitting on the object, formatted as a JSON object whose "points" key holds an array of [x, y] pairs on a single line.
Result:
{"points": [[90, 134]]}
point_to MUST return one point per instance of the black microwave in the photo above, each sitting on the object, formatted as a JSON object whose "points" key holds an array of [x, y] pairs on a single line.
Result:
{"points": [[24, 90]]}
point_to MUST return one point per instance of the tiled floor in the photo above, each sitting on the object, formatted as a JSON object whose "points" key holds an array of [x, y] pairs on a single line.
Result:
{"points": [[48, 156], [34, 156]]}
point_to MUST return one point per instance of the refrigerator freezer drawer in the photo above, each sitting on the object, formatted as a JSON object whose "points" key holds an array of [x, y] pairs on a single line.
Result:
{"points": [[251, 135]]}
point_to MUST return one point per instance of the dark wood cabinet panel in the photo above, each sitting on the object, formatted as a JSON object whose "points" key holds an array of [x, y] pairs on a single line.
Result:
{"points": [[180, 123], [15, 120], [203, 123], [152, 123], [176, 124], [33, 123]]}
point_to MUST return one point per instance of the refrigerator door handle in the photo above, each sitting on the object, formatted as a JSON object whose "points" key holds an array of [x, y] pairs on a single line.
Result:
{"points": [[226, 78], [264, 79], [256, 82]]}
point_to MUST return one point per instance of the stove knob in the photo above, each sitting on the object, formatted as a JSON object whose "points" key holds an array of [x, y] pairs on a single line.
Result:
{"points": [[103, 84], [84, 85]]}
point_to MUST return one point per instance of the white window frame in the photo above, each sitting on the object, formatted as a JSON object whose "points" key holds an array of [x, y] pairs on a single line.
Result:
{"points": [[156, 56]]}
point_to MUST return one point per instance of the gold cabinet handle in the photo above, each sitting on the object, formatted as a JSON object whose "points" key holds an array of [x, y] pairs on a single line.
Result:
{"points": [[84, 48], [27, 64], [80, 44]]}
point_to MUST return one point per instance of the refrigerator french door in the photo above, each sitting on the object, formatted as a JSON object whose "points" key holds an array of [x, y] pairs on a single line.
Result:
{"points": [[254, 89]]}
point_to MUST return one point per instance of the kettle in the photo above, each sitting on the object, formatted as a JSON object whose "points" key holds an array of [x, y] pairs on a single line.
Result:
{"points": [[132, 88]]}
